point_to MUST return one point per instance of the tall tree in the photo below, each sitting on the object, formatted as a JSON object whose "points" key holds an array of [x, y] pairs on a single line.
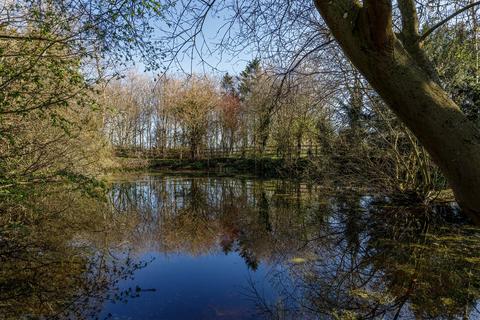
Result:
{"points": [[254, 88], [192, 104], [229, 112]]}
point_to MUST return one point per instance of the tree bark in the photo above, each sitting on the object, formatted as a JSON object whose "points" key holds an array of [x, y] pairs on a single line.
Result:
{"points": [[397, 69]]}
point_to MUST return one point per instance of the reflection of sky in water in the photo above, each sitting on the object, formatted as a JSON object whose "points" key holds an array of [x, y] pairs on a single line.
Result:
{"points": [[215, 286], [180, 285], [317, 253], [310, 252]]}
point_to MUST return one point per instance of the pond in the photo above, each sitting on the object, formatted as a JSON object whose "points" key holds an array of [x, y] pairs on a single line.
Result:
{"points": [[208, 247]]}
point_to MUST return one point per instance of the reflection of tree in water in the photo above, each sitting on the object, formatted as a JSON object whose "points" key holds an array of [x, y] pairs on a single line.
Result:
{"points": [[54, 261], [336, 255], [201, 215], [387, 263], [332, 255]]}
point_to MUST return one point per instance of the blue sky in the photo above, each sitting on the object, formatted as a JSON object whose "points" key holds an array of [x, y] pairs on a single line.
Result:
{"points": [[225, 62], [216, 63]]}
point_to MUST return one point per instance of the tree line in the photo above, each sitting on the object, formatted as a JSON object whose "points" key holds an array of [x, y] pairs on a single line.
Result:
{"points": [[201, 116]]}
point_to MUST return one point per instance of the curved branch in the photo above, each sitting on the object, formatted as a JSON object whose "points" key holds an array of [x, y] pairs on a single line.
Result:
{"points": [[450, 17]]}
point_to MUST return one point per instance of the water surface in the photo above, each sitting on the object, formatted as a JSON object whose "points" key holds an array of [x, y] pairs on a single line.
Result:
{"points": [[200, 247]]}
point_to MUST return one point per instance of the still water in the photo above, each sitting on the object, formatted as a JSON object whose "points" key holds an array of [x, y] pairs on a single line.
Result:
{"points": [[200, 247]]}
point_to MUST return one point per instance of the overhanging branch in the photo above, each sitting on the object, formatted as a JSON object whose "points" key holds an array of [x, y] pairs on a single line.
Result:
{"points": [[450, 17]]}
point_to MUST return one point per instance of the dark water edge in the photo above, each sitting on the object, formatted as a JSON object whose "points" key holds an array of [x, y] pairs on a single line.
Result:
{"points": [[210, 247], [261, 167]]}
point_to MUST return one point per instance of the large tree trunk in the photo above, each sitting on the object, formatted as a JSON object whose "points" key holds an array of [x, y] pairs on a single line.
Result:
{"points": [[398, 70]]}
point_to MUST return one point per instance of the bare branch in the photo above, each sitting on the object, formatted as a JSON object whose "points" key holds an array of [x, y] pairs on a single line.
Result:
{"points": [[23, 38], [450, 17]]}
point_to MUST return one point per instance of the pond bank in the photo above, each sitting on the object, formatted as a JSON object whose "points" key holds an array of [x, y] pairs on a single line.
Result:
{"points": [[260, 167], [344, 175]]}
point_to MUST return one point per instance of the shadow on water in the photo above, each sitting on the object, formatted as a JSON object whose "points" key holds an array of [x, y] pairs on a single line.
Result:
{"points": [[163, 247], [56, 258]]}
